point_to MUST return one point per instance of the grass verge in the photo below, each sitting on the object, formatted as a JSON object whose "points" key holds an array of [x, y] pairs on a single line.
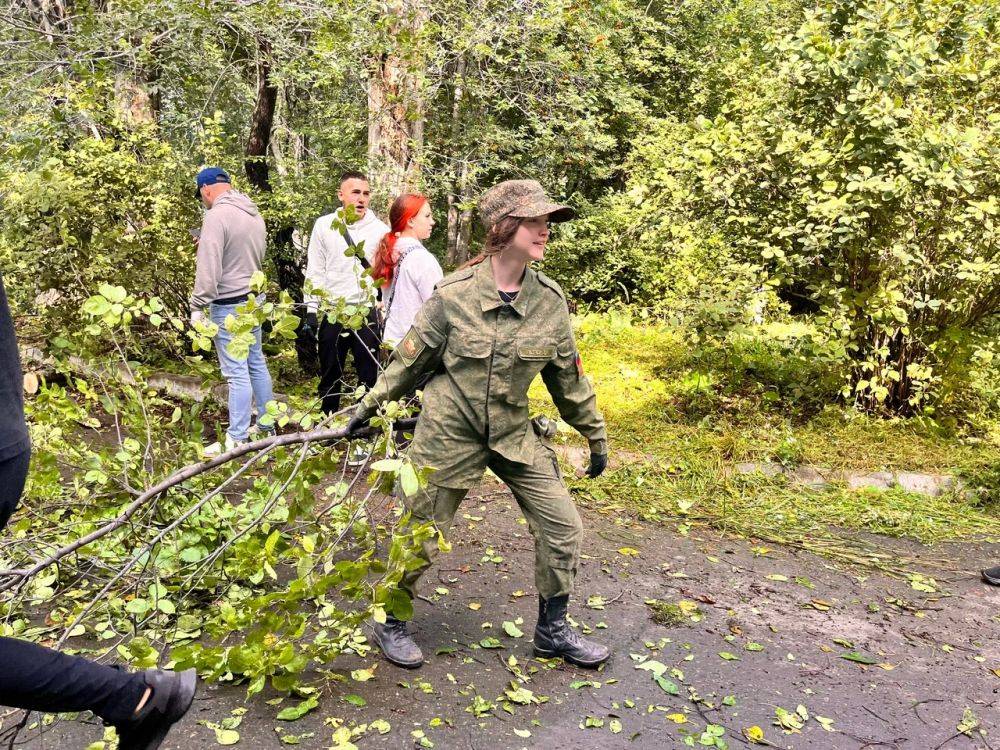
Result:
{"points": [[683, 416]]}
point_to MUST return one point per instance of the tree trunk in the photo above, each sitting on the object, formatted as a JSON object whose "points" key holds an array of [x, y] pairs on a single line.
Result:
{"points": [[396, 110], [286, 261], [261, 122], [459, 218]]}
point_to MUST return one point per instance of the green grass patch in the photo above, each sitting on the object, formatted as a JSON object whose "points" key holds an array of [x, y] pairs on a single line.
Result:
{"points": [[681, 416]]}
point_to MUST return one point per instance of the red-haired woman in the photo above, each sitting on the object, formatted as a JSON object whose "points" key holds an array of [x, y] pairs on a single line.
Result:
{"points": [[403, 267]]}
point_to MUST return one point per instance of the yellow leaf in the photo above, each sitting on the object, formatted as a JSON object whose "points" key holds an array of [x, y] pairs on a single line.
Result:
{"points": [[755, 734], [363, 675], [475, 606], [628, 551], [677, 718], [886, 666], [687, 606]]}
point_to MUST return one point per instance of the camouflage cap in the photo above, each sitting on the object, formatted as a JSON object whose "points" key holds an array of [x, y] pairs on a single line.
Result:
{"points": [[522, 199]]}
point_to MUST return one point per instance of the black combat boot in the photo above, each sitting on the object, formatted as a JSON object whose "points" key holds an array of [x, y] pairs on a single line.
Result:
{"points": [[554, 636], [397, 644]]}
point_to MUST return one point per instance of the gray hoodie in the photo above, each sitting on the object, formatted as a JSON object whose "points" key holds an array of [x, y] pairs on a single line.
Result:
{"points": [[230, 249]]}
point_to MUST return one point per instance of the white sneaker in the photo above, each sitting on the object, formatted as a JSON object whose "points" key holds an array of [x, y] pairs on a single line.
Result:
{"points": [[217, 448], [358, 455]]}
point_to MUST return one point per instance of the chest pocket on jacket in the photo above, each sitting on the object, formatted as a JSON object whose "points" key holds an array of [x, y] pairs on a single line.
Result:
{"points": [[530, 356], [467, 361]]}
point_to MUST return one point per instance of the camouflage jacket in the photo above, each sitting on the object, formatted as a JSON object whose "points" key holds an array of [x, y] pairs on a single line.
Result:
{"points": [[485, 354]]}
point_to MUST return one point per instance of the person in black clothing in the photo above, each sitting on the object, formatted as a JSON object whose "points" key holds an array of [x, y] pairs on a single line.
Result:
{"points": [[141, 706]]}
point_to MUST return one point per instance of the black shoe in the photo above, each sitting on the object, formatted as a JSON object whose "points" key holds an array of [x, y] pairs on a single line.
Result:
{"points": [[171, 698], [992, 575], [554, 637], [397, 644]]}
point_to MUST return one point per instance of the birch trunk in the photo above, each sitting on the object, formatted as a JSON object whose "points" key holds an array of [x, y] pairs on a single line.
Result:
{"points": [[396, 110]]}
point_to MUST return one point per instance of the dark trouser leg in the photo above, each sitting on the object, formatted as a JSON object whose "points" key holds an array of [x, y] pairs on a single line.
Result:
{"points": [[305, 349], [332, 353], [13, 472], [365, 343], [40, 679]]}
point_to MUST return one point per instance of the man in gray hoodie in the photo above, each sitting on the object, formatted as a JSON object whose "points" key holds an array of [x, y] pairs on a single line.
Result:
{"points": [[230, 251]]}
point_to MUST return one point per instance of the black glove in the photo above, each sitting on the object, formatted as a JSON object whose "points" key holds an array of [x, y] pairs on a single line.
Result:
{"points": [[310, 325], [357, 423], [598, 463]]}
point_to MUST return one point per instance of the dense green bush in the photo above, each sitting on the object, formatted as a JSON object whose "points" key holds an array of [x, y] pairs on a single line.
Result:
{"points": [[102, 210], [857, 174]]}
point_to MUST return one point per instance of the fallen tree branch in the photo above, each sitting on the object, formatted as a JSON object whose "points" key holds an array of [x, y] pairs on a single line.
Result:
{"points": [[12, 578]]}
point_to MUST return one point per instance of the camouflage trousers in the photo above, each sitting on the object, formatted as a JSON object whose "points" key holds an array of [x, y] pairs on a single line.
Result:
{"points": [[546, 504]]}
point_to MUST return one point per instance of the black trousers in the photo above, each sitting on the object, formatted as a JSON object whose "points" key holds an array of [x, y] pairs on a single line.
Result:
{"points": [[40, 679], [335, 342]]}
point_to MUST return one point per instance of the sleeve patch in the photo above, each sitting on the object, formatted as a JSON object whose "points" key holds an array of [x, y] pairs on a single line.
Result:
{"points": [[579, 365], [410, 347]]}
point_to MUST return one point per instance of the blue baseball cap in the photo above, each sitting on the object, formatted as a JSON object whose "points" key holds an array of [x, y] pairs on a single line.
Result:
{"points": [[210, 176]]}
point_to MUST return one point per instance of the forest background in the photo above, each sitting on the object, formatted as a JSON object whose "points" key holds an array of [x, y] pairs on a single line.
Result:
{"points": [[787, 252]]}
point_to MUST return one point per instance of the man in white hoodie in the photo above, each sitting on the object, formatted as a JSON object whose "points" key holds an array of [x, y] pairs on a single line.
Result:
{"points": [[230, 251], [335, 265]]}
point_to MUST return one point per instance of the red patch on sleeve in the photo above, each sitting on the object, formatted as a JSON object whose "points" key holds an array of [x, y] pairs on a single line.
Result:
{"points": [[579, 365]]}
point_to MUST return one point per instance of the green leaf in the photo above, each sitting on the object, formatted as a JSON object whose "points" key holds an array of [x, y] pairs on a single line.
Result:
{"points": [[356, 700], [137, 606], [512, 630], [408, 481], [96, 306], [294, 713], [387, 465], [860, 658], [668, 687]]}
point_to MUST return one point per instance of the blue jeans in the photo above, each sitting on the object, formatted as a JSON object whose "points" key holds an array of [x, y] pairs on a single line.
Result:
{"points": [[248, 378]]}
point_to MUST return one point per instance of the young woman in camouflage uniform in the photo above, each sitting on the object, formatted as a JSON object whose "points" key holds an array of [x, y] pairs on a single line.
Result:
{"points": [[486, 332]]}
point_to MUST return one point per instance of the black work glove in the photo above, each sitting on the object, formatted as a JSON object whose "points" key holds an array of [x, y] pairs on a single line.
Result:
{"points": [[358, 422], [598, 463], [310, 326]]}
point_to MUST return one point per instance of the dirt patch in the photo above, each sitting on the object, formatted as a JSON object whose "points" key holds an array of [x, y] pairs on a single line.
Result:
{"points": [[883, 663]]}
